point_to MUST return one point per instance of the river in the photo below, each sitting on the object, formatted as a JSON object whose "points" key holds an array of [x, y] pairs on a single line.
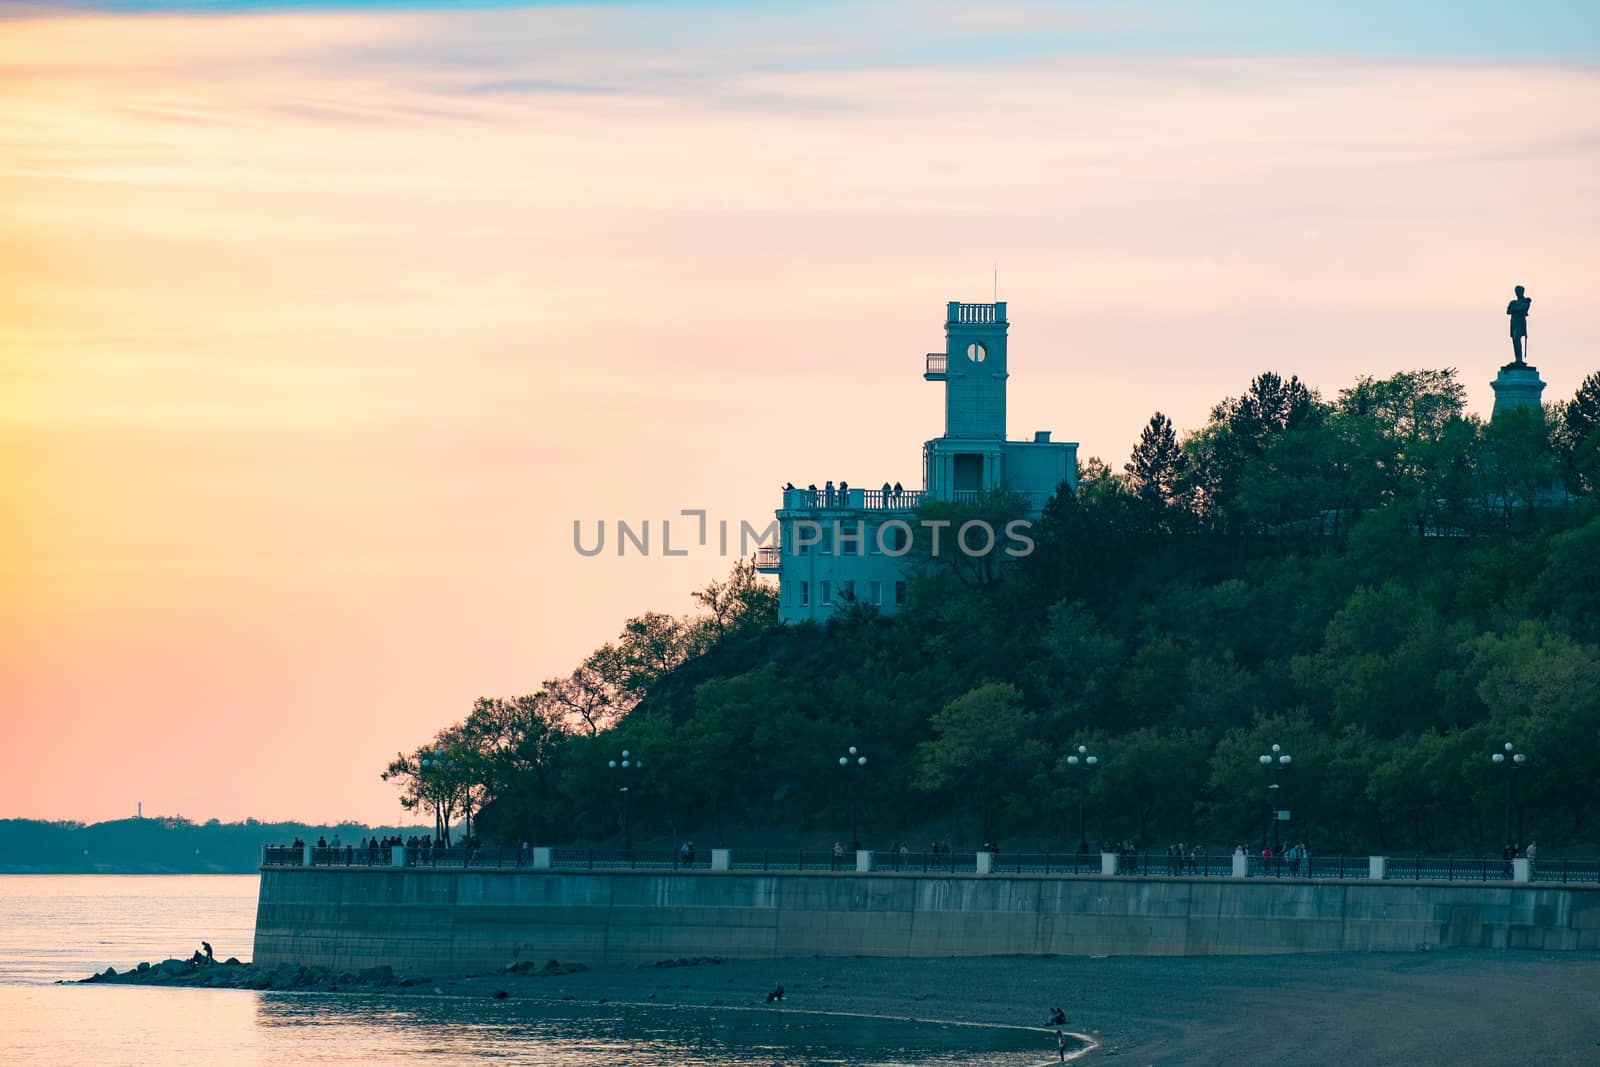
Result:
{"points": [[68, 926]]}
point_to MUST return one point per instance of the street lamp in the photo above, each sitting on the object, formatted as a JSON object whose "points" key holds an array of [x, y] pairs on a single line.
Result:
{"points": [[1087, 763], [1511, 759], [1278, 758], [853, 759], [628, 763]]}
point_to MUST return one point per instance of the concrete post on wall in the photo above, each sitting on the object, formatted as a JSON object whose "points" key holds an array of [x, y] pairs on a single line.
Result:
{"points": [[308, 856], [863, 857], [397, 856], [1241, 865], [541, 859], [1521, 870], [1377, 867], [985, 862], [721, 859], [1108, 863]]}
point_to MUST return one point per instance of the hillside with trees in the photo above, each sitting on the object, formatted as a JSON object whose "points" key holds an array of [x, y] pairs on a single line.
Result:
{"points": [[1381, 583]]}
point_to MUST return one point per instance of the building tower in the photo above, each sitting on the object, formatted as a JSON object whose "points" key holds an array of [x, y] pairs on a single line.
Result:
{"points": [[849, 543]]}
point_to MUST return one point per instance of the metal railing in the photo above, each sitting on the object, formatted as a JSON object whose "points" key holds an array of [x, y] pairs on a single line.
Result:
{"points": [[1147, 864], [938, 363], [768, 557], [1448, 869], [1565, 871]]}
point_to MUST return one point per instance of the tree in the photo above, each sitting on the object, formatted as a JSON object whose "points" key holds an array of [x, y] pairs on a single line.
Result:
{"points": [[440, 778], [738, 605], [1578, 440], [1155, 475], [982, 741]]}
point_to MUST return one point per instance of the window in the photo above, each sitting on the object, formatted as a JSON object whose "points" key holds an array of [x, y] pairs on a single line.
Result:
{"points": [[847, 590], [899, 593], [876, 591], [805, 594], [823, 592]]}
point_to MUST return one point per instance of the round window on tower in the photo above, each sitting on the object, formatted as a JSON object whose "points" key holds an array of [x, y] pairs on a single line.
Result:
{"points": [[977, 353]]}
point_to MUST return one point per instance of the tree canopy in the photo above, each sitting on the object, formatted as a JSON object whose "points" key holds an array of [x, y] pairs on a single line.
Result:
{"points": [[1382, 584]]}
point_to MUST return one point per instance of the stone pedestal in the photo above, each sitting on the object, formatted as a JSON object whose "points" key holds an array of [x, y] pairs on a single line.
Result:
{"points": [[721, 859], [1521, 870], [397, 856], [1377, 867], [985, 862], [1241, 865], [1108, 863], [1516, 386], [863, 860]]}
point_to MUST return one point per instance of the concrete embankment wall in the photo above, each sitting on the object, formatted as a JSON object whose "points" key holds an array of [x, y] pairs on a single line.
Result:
{"points": [[441, 922]]}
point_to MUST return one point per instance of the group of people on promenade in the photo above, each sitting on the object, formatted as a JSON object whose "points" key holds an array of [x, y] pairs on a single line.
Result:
{"points": [[1296, 857], [1517, 852], [828, 496]]}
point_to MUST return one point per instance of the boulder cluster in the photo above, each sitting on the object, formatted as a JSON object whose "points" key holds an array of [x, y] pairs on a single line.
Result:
{"points": [[231, 974]]}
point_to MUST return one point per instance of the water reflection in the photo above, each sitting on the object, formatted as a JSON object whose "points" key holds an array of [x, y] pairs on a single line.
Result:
{"points": [[558, 1034]]}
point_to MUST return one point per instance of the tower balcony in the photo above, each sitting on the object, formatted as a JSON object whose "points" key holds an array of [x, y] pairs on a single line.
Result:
{"points": [[768, 558], [959, 314], [851, 499], [938, 364]]}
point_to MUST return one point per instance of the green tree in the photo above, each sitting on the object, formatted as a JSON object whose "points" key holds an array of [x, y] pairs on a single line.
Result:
{"points": [[982, 742]]}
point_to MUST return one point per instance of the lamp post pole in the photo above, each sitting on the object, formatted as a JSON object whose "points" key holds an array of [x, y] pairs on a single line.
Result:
{"points": [[853, 759], [625, 765], [1086, 763], [1511, 759], [1277, 759]]}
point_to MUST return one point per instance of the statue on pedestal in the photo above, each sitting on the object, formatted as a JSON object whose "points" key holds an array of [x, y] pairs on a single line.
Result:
{"points": [[1518, 310]]}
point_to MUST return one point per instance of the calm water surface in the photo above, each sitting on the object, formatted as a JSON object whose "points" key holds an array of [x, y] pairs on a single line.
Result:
{"points": [[69, 926]]}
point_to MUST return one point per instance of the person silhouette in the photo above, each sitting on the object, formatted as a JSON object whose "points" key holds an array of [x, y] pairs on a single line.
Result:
{"points": [[1518, 310]]}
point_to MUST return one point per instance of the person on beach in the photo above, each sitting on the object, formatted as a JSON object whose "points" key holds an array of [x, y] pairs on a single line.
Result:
{"points": [[1061, 1045], [210, 956]]}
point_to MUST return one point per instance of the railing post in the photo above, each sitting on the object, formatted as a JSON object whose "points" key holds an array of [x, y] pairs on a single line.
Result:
{"points": [[1241, 865], [308, 860], [397, 856], [721, 859], [1377, 867], [1046, 861], [984, 862], [591, 859], [1521, 870], [763, 859], [1108, 863], [542, 859], [863, 861]]}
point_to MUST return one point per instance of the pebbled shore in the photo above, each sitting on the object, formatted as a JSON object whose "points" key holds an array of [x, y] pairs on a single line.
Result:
{"points": [[1463, 1007]]}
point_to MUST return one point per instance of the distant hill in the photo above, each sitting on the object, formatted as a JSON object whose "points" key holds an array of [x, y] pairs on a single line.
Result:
{"points": [[155, 846]]}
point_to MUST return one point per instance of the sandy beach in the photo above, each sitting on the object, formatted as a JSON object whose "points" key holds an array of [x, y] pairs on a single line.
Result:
{"points": [[1459, 1007]]}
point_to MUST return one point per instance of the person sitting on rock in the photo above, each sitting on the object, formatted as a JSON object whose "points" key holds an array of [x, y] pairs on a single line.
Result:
{"points": [[776, 994]]}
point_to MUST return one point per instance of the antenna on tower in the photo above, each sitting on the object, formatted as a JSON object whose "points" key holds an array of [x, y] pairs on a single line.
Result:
{"points": [[997, 281]]}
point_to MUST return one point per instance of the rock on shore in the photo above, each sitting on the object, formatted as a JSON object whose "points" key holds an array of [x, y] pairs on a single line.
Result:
{"points": [[231, 974]]}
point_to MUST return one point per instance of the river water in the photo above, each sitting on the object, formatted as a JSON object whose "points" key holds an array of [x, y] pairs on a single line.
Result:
{"points": [[66, 927]]}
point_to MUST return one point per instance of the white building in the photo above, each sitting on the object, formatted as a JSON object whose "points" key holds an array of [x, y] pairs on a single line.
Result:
{"points": [[836, 543]]}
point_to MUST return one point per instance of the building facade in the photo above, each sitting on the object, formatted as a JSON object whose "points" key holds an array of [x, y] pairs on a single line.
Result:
{"points": [[843, 543]]}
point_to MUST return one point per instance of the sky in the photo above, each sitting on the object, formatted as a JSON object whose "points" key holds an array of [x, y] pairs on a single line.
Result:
{"points": [[322, 323]]}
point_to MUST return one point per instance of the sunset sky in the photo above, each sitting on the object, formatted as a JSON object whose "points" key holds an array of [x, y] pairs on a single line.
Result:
{"points": [[321, 323]]}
